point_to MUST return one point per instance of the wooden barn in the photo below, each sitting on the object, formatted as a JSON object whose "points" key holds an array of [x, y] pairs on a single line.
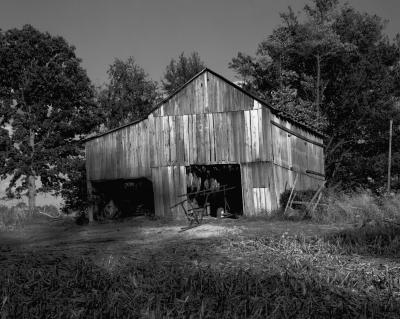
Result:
{"points": [[208, 125]]}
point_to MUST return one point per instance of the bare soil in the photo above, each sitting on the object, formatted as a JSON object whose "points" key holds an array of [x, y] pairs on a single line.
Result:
{"points": [[140, 238]]}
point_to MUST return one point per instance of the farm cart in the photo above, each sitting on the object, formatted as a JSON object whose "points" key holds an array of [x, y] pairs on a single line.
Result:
{"points": [[195, 213]]}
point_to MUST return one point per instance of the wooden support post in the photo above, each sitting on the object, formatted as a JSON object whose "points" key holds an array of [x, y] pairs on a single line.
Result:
{"points": [[390, 156], [291, 193], [91, 201], [310, 204]]}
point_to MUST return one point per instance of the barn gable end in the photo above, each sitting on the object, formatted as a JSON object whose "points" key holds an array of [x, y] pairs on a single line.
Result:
{"points": [[210, 121]]}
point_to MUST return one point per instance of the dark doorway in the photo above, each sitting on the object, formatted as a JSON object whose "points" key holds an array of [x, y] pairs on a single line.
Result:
{"points": [[215, 178], [130, 197]]}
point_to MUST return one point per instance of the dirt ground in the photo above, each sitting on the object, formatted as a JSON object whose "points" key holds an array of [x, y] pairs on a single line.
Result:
{"points": [[165, 261], [140, 238]]}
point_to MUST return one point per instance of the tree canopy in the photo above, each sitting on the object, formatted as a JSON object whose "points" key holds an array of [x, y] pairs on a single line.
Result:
{"points": [[129, 94], [46, 108], [179, 71], [335, 68]]}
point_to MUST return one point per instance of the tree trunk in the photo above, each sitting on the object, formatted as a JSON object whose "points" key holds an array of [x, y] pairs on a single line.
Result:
{"points": [[280, 72], [31, 178], [31, 193], [91, 206], [318, 93]]}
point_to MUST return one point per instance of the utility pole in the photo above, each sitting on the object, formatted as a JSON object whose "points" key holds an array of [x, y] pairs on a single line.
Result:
{"points": [[390, 155]]}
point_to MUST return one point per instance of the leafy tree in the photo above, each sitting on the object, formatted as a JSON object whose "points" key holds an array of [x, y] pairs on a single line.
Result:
{"points": [[128, 96], [74, 189], [337, 70], [178, 72], [46, 107], [361, 98]]}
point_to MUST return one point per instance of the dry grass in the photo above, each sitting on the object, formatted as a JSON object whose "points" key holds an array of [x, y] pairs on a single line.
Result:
{"points": [[359, 207], [234, 273], [245, 277], [17, 217]]}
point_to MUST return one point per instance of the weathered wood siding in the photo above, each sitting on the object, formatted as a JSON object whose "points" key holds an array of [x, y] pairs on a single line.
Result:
{"points": [[123, 153], [210, 121]]}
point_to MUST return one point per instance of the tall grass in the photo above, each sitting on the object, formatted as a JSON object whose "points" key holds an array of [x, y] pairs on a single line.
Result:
{"points": [[358, 207], [18, 216], [296, 277]]}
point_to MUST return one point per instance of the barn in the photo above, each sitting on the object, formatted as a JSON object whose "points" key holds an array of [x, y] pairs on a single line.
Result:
{"points": [[209, 131]]}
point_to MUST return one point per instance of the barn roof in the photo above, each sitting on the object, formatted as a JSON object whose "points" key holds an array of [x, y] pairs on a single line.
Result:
{"points": [[264, 103]]}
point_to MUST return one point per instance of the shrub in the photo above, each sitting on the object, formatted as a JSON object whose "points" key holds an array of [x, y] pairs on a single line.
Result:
{"points": [[74, 190]]}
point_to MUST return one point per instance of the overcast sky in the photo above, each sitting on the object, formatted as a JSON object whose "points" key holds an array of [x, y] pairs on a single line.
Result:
{"points": [[155, 31]]}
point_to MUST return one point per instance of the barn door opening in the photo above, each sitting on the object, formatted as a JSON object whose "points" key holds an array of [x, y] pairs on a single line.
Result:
{"points": [[212, 180], [124, 198]]}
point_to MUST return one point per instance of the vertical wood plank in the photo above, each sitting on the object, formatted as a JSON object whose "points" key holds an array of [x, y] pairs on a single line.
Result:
{"points": [[248, 150], [212, 137], [199, 138], [194, 138], [183, 188], [186, 139], [165, 191], [254, 135], [206, 137], [206, 103], [267, 134], [155, 182], [172, 136], [166, 142], [262, 156], [225, 137], [263, 199]]}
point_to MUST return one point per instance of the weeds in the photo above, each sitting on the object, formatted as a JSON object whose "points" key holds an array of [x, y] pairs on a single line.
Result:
{"points": [[327, 276], [355, 208], [18, 216], [275, 277]]}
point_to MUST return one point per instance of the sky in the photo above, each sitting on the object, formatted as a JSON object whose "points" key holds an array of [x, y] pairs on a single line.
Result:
{"points": [[153, 31]]}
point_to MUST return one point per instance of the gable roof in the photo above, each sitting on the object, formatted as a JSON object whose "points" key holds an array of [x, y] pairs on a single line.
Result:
{"points": [[275, 111]]}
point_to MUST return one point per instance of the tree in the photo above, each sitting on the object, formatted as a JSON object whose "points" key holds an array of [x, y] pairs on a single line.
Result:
{"points": [[128, 96], [179, 72], [74, 189], [46, 109], [361, 99], [343, 78]]}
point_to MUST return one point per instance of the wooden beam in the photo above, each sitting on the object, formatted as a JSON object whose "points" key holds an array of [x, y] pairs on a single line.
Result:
{"points": [[282, 127]]}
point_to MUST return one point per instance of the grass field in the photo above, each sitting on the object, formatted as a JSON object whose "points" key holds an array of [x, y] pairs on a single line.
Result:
{"points": [[247, 268]]}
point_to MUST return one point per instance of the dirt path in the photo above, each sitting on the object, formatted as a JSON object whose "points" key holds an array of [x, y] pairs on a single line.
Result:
{"points": [[141, 239], [141, 231]]}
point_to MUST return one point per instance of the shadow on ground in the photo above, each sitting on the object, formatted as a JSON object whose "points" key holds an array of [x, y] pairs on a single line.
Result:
{"points": [[224, 269]]}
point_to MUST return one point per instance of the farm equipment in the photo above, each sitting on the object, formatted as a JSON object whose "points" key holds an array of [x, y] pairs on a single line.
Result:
{"points": [[194, 212]]}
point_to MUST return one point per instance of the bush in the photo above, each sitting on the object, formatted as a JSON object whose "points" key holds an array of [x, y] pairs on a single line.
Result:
{"points": [[74, 190]]}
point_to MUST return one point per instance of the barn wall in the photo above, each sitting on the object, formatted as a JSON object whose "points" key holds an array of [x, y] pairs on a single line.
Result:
{"points": [[206, 94], [296, 149], [168, 183], [209, 122], [121, 154], [213, 138], [258, 188]]}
